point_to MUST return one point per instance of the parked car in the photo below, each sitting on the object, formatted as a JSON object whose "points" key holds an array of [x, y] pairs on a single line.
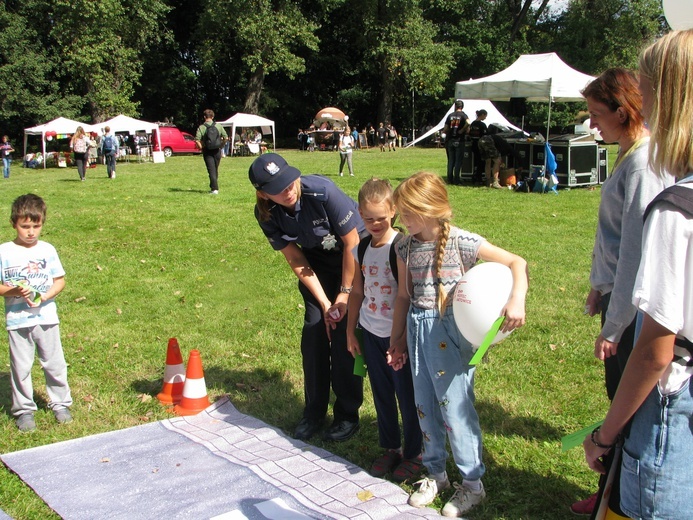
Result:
{"points": [[173, 141]]}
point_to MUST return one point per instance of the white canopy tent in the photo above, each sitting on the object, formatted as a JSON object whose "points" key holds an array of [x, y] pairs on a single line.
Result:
{"points": [[123, 123], [241, 120], [534, 77], [470, 108], [61, 126]]}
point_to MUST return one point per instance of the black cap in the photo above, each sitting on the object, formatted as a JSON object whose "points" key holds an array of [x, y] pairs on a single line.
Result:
{"points": [[271, 173], [459, 103]]}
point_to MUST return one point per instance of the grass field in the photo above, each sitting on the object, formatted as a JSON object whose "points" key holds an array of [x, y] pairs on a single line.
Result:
{"points": [[151, 255]]}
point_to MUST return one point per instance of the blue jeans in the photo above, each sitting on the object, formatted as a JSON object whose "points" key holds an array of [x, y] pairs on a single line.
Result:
{"points": [[444, 390], [390, 387], [657, 467], [6, 167], [455, 153], [110, 163]]}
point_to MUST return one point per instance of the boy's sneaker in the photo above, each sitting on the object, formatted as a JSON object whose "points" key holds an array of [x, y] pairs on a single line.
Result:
{"points": [[62, 415], [25, 422], [427, 492], [463, 500]]}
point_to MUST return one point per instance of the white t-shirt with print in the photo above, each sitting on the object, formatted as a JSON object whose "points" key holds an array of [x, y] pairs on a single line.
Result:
{"points": [[379, 290]]}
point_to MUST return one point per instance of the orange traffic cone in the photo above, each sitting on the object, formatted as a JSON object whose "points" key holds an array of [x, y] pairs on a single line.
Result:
{"points": [[195, 391], [174, 375]]}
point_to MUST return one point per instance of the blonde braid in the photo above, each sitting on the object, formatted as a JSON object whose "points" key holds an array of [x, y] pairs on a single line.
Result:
{"points": [[440, 254]]}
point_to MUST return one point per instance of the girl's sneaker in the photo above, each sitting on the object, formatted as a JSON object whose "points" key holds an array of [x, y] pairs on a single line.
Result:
{"points": [[427, 492], [463, 500]]}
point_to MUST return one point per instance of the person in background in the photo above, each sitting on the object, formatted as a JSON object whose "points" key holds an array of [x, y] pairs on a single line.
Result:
{"points": [[346, 148], [79, 144], [477, 130], [32, 276], [6, 152], [615, 107], [316, 226], [391, 137], [653, 405], [209, 138], [430, 262], [455, 129], [370, 308], [109, 150], [382, 136]]}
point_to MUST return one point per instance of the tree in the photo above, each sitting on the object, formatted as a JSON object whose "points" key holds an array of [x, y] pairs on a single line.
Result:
{"points": [[101, 46], [261, 36]]}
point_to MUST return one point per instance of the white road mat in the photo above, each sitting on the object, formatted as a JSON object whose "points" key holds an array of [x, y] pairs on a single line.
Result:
{"points": [[219, 464]]}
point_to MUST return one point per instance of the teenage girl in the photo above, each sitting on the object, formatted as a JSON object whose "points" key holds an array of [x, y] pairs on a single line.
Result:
{"points": [[431, 260], [371, 304], [655, 395]]}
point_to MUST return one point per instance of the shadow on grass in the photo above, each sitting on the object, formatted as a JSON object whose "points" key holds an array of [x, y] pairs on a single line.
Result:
{"points": [[496, 420], [188, 190], [264, 394]]}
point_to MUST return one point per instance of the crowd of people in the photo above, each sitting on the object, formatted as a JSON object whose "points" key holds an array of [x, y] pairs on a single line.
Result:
{"points": [[371, 291]]}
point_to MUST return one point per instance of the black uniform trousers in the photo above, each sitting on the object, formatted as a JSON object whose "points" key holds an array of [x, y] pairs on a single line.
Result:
{"points": [[327, 364]]}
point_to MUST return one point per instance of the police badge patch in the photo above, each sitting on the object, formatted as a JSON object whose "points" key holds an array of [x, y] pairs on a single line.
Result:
{"points": [[329, 242], [272, 168]]}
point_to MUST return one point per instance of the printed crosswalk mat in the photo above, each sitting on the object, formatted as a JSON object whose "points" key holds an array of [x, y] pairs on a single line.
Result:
{"points": [[219, 464]]}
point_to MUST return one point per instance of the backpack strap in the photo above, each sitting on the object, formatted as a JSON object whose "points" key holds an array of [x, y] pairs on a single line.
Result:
{"points": [[678, 196], [363, 245]]}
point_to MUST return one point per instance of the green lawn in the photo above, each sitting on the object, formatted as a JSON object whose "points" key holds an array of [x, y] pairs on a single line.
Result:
{"points": [[151, 255]]}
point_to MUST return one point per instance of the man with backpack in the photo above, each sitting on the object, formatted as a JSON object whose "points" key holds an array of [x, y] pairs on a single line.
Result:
{"points": [[109, 150], [210, 138]]}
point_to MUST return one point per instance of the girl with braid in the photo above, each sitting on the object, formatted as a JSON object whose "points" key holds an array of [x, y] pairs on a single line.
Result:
{"points": [[431, 261]]}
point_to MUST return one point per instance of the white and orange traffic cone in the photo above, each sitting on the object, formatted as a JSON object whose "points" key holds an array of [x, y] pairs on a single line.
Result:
{"points": [[174, 375], [195, 390]]}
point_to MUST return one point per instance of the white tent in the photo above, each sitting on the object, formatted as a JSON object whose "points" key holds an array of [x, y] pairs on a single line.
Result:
{"points": [[470, 108], [534, 77], [61, 126], [241, 120], [123, 123]]}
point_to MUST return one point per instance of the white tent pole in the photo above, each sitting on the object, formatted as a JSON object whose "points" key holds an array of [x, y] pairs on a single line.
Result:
{"points": [[43, 140]]}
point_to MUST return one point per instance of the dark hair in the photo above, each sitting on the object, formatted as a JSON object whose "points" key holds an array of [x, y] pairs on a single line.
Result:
{"points": [[30, 207], [481, 112], [618, 88]]}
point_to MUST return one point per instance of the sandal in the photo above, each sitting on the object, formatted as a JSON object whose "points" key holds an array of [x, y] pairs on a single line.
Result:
{"points": [[385, 463], [409, 469]]}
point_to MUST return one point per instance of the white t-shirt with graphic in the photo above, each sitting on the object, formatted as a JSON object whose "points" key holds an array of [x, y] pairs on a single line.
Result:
{"points": [[37, 266], [379, 290]]}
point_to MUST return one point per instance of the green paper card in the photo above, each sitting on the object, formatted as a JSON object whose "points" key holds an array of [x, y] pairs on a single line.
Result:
{"points": [[359, 366], [487, 341], [573, 439]]}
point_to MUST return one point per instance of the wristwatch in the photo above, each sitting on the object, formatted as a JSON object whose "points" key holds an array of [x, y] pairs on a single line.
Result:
{"points": [[346, 290]]}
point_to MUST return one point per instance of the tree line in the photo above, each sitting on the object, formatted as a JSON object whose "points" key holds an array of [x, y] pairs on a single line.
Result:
{"points": [[378, 60]]}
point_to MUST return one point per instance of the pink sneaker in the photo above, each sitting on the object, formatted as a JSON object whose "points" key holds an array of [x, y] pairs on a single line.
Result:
{"points": [[585, 507]]}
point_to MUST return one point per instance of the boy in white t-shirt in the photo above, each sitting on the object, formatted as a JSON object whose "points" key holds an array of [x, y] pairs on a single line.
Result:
{"points": [[371, 304], [32, 275]]}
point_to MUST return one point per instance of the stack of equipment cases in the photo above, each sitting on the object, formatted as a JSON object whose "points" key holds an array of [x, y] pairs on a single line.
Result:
{"points": [[467, 170], [577, 159]]}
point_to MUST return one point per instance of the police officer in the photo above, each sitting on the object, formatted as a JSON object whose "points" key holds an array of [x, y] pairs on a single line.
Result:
{"points": [[455, 129], [316, 226]]}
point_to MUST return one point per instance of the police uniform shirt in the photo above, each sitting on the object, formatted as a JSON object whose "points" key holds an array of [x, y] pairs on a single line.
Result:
{"points": [[323, 214]]}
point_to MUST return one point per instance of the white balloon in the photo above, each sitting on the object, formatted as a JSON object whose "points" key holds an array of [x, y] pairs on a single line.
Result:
{"points": [[679, 14], [479, 299], [346, 118]]}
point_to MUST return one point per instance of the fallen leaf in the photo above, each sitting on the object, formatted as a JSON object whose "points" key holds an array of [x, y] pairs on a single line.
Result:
{"points": [[119, 311], [143, 418], [155, 470], [88, 398], [365, 495], [144, 397], [116, 345], [105, 459], [99, 268], [198, 305], [163, 268], [245, 355], [80, 299], [143, 261], [552, 346]]}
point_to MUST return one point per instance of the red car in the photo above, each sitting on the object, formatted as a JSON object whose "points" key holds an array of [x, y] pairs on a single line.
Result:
{"points": [[173, 141]]}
